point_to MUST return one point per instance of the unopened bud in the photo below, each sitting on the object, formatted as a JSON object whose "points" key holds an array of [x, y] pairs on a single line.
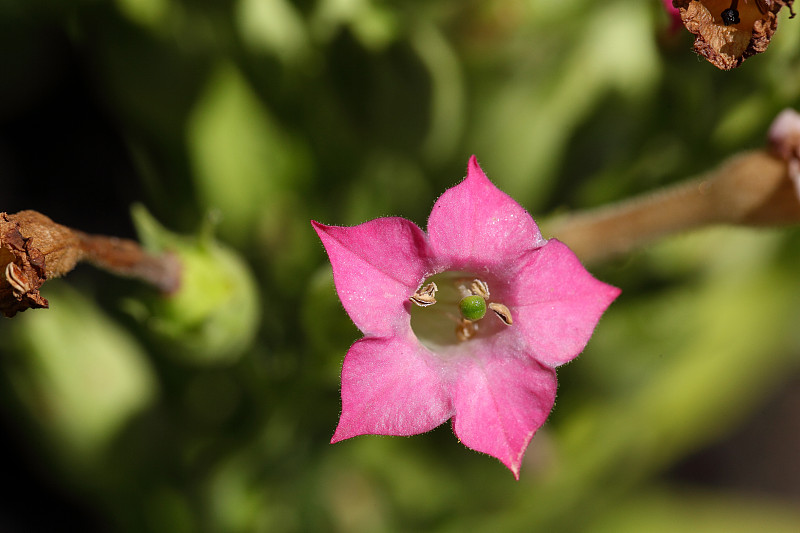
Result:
{"points": [[212, 317]]}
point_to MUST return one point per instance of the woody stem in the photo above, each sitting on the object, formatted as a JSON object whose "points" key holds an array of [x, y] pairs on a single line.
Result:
{"points": [[751, 188], [127, 258]]}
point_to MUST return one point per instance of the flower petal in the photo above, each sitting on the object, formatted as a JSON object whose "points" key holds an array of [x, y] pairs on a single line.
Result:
{"points": [[377, 266], [556, 303], [390, 388], [476, 225], [500, 401]]}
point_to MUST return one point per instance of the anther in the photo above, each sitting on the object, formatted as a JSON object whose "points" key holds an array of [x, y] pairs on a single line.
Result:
{"points": [[425, 296], [480, 288], [466, 329], [16, 278], [476, 288], [502, 313]]}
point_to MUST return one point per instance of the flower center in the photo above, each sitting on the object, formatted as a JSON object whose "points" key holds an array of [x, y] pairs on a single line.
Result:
{"points": [[472, 307], [451, 308]]}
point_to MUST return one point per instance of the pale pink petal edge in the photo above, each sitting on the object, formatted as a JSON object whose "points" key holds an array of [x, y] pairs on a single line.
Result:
{"points": [[377, 266], [389, 387], [475, 225], [500, 401], [558, 303]]}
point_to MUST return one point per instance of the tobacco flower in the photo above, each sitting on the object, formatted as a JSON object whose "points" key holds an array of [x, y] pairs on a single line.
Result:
{"points": [[465, 322], [674, 16], [784, 138]]}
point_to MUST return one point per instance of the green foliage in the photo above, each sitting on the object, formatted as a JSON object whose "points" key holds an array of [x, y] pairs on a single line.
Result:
{"points": [[213, 315]]}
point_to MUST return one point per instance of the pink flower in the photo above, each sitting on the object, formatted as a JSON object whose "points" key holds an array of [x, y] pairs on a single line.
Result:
{"points": [[425, 357], [784, 137], [674, 16]]}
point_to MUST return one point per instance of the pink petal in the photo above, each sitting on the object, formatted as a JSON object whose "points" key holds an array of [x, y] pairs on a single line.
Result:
{"points": [[556, 303], [500, 401], [784, 137], [674, 15], [377, 267], [389, 387], [475, 225]]}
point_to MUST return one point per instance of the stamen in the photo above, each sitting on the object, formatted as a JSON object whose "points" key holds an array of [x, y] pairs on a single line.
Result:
{"points": [[730, 16], [502, 313], [426, 295], [466, 329], [16, 278], [480, 288], [476, 288]]}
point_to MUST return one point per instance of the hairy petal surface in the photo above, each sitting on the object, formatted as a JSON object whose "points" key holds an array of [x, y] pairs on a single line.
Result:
{"points": [[557, 303], [499, 386], [476, 225], [500, 401], [377, 266], [389, 387]]}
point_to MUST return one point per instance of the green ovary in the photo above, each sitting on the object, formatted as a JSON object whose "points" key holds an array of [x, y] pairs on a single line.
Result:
{"points": [[472, 307]]}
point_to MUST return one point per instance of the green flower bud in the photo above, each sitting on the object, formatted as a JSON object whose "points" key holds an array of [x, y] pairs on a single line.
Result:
{"points": [[213, 316]]}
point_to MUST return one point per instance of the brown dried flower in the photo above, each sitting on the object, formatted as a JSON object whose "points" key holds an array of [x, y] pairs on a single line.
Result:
{"points": [[34, 249], [728, 32]]}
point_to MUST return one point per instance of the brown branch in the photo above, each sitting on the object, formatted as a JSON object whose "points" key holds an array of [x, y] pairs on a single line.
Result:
{"points": [[752, 188], [34, 249]]}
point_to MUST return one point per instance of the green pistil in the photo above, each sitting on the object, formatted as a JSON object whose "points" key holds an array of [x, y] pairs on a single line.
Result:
{"points": [[472, 307]]}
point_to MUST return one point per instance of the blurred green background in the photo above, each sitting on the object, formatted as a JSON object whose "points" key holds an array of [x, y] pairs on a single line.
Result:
{"points": [[682, 414]]}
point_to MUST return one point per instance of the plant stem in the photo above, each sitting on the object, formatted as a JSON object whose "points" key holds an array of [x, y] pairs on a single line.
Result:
{"points": [[127, 258], [752, 188]]}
